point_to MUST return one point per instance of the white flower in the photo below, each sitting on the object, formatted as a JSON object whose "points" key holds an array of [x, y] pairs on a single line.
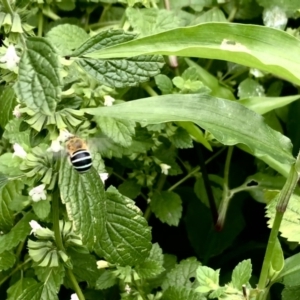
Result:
{"points": [[127, 289], [10, 58], [74, 297], [102, 264], [34, 226], [19, 151], [165, 168], [16, 112], [64, 135], [38, 193], [103, 176], [108, 100], [55, 146]]}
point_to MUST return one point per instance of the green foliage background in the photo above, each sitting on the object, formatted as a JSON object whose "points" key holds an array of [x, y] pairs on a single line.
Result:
{"points": [[192, 108]]}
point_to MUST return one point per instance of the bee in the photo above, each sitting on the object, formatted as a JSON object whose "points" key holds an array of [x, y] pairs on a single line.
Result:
{"points": [[79, 154]]}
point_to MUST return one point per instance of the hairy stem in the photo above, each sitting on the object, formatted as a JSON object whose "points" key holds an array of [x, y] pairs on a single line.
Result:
{"points": [[283, 200], [7, 6]]}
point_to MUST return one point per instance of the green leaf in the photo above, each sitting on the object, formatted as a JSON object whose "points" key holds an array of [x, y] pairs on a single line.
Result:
{"points": [[8, 102], [3, 178], [181, 139], [41, 209], [182, 275], [38, 291], [250, 88], [17, 234], [277, 262], [84, 267], [213, 15], [127, 237], [262, 105], [151, 20], [120, 131], [14, 134], [212, 114], [84, 197], [153, 265], [7, 194], [290, 227], [39, 82], [181, 293], [106, 280], [116, 72], [121, 73], [10, 165], [164, 83], [66, 38], [208, 279], [52, 277], [103, 40], [7, 260], [290, 272], [16, 289], [167, 206], [130, 189], [291, 293], [241, 274], [260, 47]]}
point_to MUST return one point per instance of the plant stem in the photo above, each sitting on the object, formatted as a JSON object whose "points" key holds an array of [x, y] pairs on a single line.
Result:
{"points": [[41, 23], [58, 239], [179, 182], [210, 196], [17, 268], [76, 287], [149, 89], [7, 6], [283, 200], [226, 192], [55, 216]]}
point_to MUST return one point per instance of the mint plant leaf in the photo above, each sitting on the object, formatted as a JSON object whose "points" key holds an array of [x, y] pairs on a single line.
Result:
{"points": [[66, 38], [7, 260], [167, 206], [8, 102], [181, 293], [84, 267], [41, 209], [17, 234], [121, 73], [14, 135], [39, 82], [127, 237], [182, 274], [291, 292], [17, 288], [208, 279], [181, 139], [52, 277], [38, 291], [7, 194], [164, 83], [241, 274], [102, 40], [106, 280], [84, 197], [130, 189], [120, 131]]}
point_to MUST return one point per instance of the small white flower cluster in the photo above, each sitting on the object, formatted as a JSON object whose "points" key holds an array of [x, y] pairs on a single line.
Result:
{"points": [[19, 151], [38, 193], [165, 168], [34, 226], [11, 59], [108, 100], [74, 297], [56, 145]]}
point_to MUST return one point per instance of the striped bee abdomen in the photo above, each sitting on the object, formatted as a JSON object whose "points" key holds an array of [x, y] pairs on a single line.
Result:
{"points": [[81, 160]]}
